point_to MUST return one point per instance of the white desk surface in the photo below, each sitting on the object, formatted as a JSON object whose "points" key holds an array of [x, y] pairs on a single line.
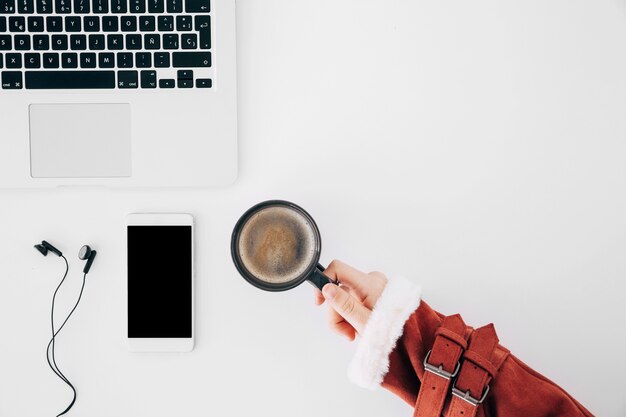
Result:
{"points": [[475, 147]]}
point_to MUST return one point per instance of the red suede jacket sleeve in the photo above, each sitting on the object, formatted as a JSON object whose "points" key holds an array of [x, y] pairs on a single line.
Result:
{"points": [[517, 390]]}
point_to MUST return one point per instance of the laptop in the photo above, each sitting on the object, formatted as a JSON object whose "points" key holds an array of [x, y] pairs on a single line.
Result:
{"points": [[120, 93]]}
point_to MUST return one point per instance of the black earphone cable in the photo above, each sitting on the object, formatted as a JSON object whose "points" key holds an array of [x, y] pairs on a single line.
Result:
{"points": [[54, 368], [50, 349]]}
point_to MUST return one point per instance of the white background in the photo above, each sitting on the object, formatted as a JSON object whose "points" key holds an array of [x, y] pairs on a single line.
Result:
{"points": [[477, 147]]}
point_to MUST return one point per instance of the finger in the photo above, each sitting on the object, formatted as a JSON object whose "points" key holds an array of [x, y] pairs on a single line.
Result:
{"points": [[319, 298], [345, 329], [347, 306], [340, 325], [346, 274]]}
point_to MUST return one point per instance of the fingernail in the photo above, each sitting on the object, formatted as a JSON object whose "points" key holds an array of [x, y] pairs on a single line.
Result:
{"points": [[329, 291]]}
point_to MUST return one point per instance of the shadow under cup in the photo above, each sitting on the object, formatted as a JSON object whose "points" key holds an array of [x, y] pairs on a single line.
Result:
{"points": [[276, 246]]}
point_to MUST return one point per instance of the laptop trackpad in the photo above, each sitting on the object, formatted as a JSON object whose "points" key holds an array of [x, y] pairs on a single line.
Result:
{"points": [[80, 140]]}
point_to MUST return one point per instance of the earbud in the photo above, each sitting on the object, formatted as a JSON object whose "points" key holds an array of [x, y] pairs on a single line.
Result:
{"points": [[44, 247], [86, 253]]}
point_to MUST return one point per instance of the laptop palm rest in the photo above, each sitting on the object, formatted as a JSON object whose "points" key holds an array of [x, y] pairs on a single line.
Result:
{"points": [[80, 140]]}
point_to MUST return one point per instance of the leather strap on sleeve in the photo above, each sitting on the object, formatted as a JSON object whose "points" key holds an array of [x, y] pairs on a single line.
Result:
{"points": [[481, 362], [440, 366]]}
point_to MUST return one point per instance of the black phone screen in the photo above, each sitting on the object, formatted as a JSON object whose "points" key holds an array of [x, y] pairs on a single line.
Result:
{"points": [[159, 281]]}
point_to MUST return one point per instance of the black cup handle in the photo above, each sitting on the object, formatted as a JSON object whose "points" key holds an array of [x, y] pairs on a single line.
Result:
{"points": [[318, 279]]}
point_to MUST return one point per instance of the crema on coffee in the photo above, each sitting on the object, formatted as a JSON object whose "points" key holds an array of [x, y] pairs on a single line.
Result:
{"points": [[277, 244]]}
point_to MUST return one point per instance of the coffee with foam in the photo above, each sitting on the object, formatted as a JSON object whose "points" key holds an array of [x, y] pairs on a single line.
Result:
{"points": [[277, 244]]}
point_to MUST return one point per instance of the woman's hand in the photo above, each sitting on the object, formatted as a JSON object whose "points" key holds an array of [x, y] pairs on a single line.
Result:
{"points": [[351, 302]]}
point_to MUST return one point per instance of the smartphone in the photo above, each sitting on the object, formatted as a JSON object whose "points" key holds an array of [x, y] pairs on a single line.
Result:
{"points": [[160, 282]]}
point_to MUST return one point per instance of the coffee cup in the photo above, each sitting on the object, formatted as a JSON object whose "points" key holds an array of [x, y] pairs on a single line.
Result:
{"points": [[276, 246]]}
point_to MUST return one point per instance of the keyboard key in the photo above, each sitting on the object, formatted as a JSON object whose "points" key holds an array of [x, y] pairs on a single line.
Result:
{"points": [[41, 42], [129, 23], [189, 41], [1, 61], [59, 42], [133, 42], [127, 79], [185, 83], [54, 24], [91, 24], [72, 24], [161, 59], [197, 6], [70, 79], [26, 6], [137, 6], [204, 83], [110, 24], [152, 41], [203, 27], [35, 24], [51, 60], [100, 6], [17, 24], [124, 60], [13, 60], [62, 6], [3, 24], [88, 60], [184, 74], [191, 59], [69, 60], [32, 60], [106, 60], [11, 80], [147, 23], [119, 6], [115, 42], [82, 6], [22, 42], [143, 59], [96, 42], [174, 6], [156, 6], [78, 42], [183, 23], [44, 6], [7, 6], [165, 23], [166, 83], [170, 41], [6, 43], [148, 79]]}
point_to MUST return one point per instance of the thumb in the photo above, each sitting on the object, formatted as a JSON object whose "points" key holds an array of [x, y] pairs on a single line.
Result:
{"points": [[346, 306]]}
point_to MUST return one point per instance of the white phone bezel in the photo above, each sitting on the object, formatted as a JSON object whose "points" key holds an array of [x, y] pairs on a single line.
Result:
{"points": [[163, 344]]}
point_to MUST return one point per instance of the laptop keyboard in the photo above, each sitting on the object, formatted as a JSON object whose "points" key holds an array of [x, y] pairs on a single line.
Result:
{"points": [[105, 44]]}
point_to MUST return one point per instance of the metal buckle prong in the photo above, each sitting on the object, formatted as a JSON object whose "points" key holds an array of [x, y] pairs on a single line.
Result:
{"points": [[465, 396], [438, 370]]}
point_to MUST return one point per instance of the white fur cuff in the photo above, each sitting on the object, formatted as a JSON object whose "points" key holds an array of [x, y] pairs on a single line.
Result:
{"points": [[370, 363]]}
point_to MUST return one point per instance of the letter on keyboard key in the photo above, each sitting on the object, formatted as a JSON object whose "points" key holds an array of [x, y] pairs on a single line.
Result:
{"points": [[197, 6], [191, 59], [49, 80], [6, 44]]}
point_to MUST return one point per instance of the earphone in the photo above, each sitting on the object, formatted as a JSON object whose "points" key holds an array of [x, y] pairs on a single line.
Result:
{"points": [[86, 254]]}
